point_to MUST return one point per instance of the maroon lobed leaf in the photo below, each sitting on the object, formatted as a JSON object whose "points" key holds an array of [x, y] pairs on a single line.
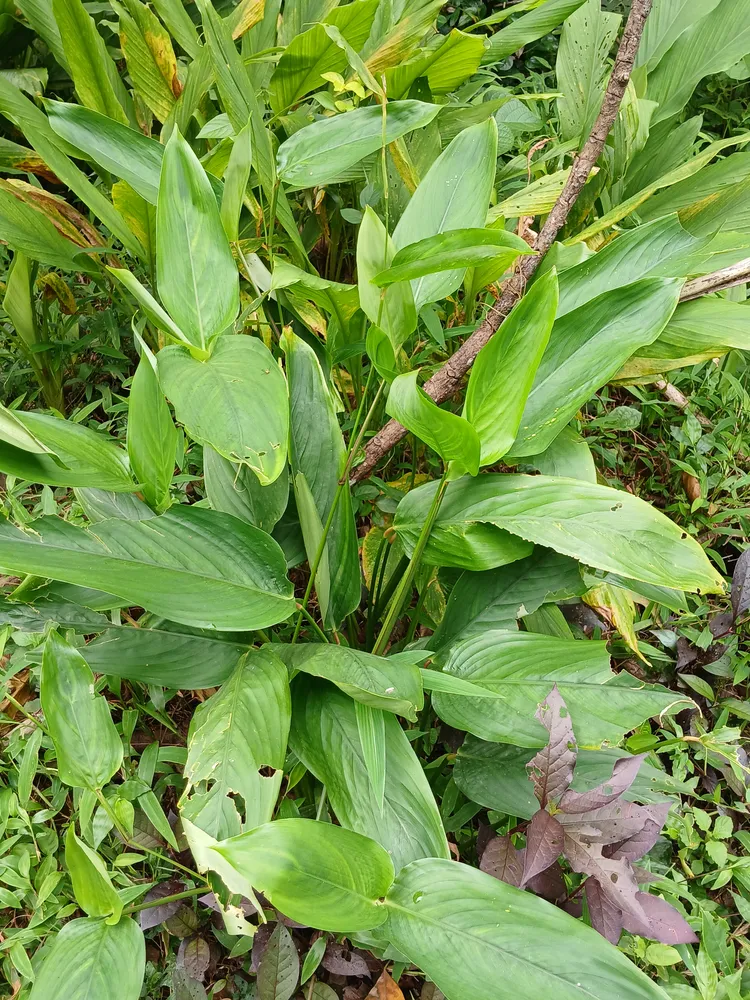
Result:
{"points": [[624, 774], [503, 861], [640, 843], [155, 915], [741, 585], [549, 884], [605, 916], [665, 922], [544, 844], [613, 824], [194, 956], [551, 770], [343, 961]]}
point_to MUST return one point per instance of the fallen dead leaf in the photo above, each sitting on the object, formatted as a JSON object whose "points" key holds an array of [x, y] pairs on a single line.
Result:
{"points": [[385, 989]]}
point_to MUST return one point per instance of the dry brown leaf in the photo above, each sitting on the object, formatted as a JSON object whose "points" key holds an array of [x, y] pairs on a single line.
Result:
{"points": [[691, 486], [385, 989]]}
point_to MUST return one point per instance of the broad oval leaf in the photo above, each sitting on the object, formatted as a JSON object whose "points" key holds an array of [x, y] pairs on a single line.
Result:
{"points": [[454, 194], [152, 435], [451, 436], [91, 958], [235, 401], [325, 737], [503, 373], [318, 874], [519, 668], [601, 527], [457, 248], [92, 887], [236, 489], [196, 274], [464, 928], [88, 749], [391, 311], [191, 565], [392, 683], [320, 152]]}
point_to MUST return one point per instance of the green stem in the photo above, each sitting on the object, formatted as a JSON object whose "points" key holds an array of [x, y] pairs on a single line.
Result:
{"points": [[19, 708], [404, 587], [311, 620], [165, 899]]}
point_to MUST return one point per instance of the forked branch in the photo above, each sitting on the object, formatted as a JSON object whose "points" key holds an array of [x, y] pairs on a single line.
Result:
{"points": [[445, 382]]}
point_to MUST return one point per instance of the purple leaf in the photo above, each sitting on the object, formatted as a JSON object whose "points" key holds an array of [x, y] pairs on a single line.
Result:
{"points": [[344, 961], [551, 770], [549, 884], [503, 861], [624, 774], [544, 844], [640, 843], [741, 585], [644, 876], [156, 915], [613, 823], [260, 943], [617, 882], [194, 956], [605, 916], [665, 923]]}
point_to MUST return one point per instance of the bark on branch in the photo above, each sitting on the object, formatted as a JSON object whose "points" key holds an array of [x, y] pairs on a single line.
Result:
{"points": [[735, 274], [445, 382]]}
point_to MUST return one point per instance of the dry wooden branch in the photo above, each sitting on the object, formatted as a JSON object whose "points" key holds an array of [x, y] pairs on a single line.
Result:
{"points": [[735, 274], [445, 382]]}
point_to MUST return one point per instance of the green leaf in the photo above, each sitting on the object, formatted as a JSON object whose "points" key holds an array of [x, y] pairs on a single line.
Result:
{"points": [[311, 53], [30, 232], [586, 348], [28, 767], [392, 310], [150, 58], [711, 44], [325, 737], [160, 652], [494, 775], [152, 435], [392, 683], [451, 436], [88, 748], [151, 308], [235, 401], [92, 887], [313, 958], [39, 15], [601, 527], [196, 274], [124, 151], [14, 432], [318, 153], [517, 668], [503, 373], [91, 958], [201, 567], [460, 926], [543, 18], [278, 972], [371, 731], [581, 67], [496, 598], [454, 194], [236, 490], [234, 736], [318, 458], [95, 75], [316, 873], [568, 456], [666, 22], [457, 248], [236, 177]]}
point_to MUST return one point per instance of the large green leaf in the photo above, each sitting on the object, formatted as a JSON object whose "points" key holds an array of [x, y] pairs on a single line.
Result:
{"points": [[392, 309], [124, 151], [91, 958], [392, 683], [196, 273], [236, 489], [581, 67], [316, 873], [494, 775], [711, 44], [326, 738], [191, 565], [26, 230], [83, 457], [540, 20], [95, 75], [236, 401], [601, 527], [92, 887], [454, 194], [496, 598], [152, 435], [480, 939], [517, 668], [312, 52], [456, 248], [451, 436], [150, 58], [504, 370], [319, 153], [318, 457], [666, 22], [586, 348], [235, 738], [158, 651], [87, 746]]}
